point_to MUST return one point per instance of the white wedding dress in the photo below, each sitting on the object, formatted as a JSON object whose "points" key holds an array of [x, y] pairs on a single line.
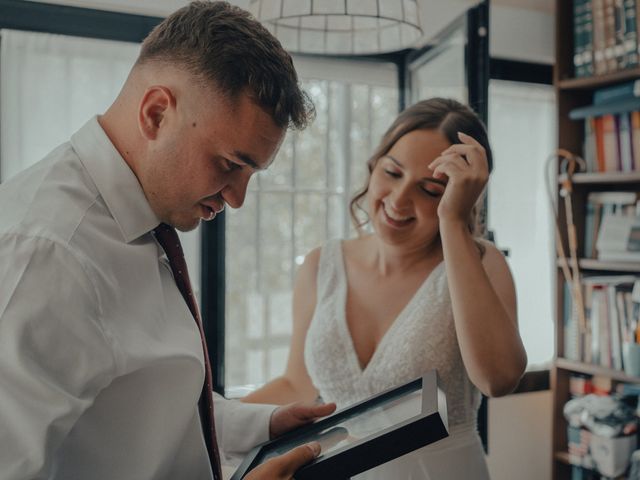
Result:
{"points": [[421, 338]]}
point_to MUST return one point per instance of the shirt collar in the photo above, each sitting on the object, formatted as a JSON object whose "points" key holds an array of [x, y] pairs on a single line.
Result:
{"points": [[115, 181]]}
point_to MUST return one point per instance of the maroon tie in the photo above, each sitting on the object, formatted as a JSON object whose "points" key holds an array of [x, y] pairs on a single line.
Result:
{"points": [[168, 239]]}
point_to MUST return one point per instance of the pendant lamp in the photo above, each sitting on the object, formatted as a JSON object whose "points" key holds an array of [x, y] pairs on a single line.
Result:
{"points": [[340, 27]]}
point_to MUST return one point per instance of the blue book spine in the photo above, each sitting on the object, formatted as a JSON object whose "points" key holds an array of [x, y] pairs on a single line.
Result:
{"points": [[624, 136], [617, 92]]}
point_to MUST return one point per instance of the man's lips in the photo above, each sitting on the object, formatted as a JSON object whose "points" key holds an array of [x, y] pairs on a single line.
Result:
{"points": [[217, 207], [211, 209]]}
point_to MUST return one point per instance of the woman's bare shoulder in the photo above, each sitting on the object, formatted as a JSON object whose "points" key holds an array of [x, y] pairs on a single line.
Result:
{"points": [[354, 249]]}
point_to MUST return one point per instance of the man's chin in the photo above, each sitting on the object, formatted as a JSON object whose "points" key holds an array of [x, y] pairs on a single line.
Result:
{"points": [[185, 225]]}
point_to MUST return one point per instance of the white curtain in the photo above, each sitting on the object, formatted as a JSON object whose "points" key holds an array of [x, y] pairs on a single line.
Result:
{"points": [[50, 85], [522, 131]]}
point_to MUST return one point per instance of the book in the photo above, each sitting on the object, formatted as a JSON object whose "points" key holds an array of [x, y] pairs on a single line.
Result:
{"points": [[619, 238], [587, 39], [599, 134], [621, 98], [610, 143], [625, 143], [635, 139], [631, 34], [578, 37], [589, 145], [610, 35], [597, 204], [614, 93], [620, 26], [610, 322], [599, 42]]}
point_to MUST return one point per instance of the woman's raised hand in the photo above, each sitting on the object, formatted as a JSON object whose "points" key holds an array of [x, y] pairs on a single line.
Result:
{"points": [[466, 167]]}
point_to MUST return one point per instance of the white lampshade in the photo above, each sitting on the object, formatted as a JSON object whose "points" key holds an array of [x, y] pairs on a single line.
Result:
{"points": [[340, 26]]}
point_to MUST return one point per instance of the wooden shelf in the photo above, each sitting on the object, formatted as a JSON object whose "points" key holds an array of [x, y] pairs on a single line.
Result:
{"points": [[573, 93], [589, 369], [589, 83], [604, 266], [600, 265], [562, 457], [605, 177]]}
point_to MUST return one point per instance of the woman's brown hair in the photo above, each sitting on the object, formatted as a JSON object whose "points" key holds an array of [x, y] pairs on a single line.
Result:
{"points": [[448, 117]]}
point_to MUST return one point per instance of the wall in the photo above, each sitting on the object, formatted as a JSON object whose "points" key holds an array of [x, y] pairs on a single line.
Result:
{"points": [[519, 34], [520, 429], [520, 436]]}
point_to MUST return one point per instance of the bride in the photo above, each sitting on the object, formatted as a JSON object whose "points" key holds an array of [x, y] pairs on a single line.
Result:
{"points": [[421, 291]]}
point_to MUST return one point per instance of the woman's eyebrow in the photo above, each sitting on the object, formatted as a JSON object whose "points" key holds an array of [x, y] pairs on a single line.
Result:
{"points": [[394, 160], [425, 179]]}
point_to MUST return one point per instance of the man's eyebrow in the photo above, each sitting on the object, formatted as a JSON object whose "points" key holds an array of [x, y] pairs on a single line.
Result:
{"points": [[247, 159], [425, 179]]}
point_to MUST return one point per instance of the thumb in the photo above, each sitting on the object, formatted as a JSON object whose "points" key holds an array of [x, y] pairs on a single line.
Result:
{"points": [[296, 458]]}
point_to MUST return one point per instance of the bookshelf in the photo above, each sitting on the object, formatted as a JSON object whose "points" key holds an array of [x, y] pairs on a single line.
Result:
{"points": [[575, 91]]}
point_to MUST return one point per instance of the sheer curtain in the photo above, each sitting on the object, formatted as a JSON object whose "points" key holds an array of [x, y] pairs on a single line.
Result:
{"points": [[521, 127], [296, 205], [50, 85]]}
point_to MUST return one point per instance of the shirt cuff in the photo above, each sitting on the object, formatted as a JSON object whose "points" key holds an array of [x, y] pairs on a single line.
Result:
{"points": [[241, 426]]}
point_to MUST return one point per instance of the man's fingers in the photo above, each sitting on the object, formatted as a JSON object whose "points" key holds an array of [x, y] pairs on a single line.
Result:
{"points": [[284, 466], [324, 409], [296, 458], [307, 412]]}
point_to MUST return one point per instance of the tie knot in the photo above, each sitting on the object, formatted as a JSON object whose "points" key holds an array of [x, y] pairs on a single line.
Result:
{"points": [[168, 239]]}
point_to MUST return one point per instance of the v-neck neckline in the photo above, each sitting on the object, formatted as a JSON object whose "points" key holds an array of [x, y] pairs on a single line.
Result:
{"points": [[346, 333]]}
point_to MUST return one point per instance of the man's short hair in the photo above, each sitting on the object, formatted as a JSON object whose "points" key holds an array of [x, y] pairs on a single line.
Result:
{"points": [[226, 47]]}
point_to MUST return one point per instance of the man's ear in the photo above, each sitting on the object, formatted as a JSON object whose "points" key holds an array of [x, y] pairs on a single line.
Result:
{"points": [[156, 103]]}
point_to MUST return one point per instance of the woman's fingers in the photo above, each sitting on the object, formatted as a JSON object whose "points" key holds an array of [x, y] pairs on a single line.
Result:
{"points": [[449, 158], [473, 152]]}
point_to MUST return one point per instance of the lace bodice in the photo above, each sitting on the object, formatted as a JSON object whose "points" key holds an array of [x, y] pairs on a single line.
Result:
{"points": [[422, 337]]}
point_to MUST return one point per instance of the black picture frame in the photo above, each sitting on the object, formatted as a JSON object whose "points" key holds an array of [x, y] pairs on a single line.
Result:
{"points": [[353, 455]]}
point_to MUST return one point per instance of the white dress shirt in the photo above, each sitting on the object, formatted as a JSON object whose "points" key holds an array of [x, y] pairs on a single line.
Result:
{"points": [[101, 364]]}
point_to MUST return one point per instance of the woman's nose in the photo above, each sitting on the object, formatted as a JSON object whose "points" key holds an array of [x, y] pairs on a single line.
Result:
{"points": [[400, 197]]}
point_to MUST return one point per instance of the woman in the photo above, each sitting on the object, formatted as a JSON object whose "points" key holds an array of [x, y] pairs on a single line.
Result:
{"points": [[420, 292]]}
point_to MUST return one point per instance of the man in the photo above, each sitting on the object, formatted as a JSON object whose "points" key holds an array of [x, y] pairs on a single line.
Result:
{"points": [[101, 357]]}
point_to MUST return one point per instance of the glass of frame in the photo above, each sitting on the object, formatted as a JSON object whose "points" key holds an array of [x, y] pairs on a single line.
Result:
{"points": [[367, 434]]}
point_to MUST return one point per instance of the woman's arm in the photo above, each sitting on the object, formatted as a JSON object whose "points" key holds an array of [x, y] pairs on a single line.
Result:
{"points": [[484, 308], [295, 385], [482, 292]]}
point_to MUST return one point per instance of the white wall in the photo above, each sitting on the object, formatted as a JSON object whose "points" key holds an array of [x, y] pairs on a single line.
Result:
{"points": [[520, 426], [520, 436], [519, 34]]}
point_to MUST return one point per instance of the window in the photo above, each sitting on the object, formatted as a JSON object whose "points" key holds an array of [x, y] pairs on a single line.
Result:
{"points": [[441, 71], [50, 85], [521, 130], [296, 205]]}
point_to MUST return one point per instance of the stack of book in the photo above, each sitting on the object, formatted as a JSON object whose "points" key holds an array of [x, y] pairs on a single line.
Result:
{"points": [[612, 129], [612, 320], [611, 226], [605, 36]]}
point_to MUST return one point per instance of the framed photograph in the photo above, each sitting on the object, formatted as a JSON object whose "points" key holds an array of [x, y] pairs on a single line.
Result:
{"points": [[367, 434]]}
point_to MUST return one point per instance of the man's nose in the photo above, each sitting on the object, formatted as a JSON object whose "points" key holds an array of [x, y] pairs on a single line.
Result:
{"points": [[236, 191]]}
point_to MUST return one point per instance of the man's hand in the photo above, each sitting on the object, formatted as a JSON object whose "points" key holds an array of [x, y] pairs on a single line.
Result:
{"points": [[284, 466], [288, 417]]}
